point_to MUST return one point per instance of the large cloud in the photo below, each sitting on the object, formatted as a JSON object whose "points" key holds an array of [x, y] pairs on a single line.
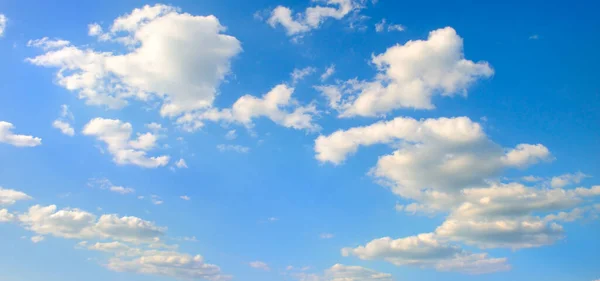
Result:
{"points": [[177, 57], [7, 136], [117, 136], [409, 76]]}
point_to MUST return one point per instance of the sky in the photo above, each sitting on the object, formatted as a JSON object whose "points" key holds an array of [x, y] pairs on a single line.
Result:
{"points": [[323, 140]]}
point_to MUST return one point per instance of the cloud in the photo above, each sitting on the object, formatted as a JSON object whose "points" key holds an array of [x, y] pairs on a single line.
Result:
{"points": [[185, 197], [340, 272], [46, 43], [313, 17], [156, 200], [105, 184], [260, 265], [527, 154], [300, 73], [79, 224], [567, 179], [381, 26], [37, 239], [233, 147], [181, 164], [277, 105], [326, 235], [64, 127], [125, 151], [7, 136], [183, 68], [3, 21], [409, 76], [6, 216], [427, 250], [231, 135], [534, 37], [532, 178], [328, 72], [11, 196]]}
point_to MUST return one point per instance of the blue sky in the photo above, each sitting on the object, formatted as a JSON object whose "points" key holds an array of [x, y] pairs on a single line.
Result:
{"points": [[334, 140]]}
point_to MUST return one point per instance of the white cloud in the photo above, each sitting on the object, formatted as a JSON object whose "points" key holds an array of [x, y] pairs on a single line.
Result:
{"points": [[300, 73], [183, 68], [106, 184], [328, 72], [313, 17], [567, 179], [48, 44], [326, 235], [534, 37], [527, 154], [532, 178], [7, 136], [117, 136], [156, 200], [277, 105], [381, 26], [64, 127], [3, 21], [37, 239], [340, 272], [6, 216], [427, 250], [410, 75], [181, 164], [155, 127], [11, 196], [260, 265], [185, 197], [231, 135], [233, 147], [79, 224]]}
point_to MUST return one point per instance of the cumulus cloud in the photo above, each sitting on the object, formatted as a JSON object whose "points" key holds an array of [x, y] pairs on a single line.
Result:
{"points": [[260, 265], [6, 216], [11, 196], [409, 75], [7, 136], [125, 151], [313, 17], [79, 224], [277, 105], [427, 250], [182, 68]]}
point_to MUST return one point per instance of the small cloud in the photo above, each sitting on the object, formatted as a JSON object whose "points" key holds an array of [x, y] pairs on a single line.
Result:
{"points": [[326, 235], [259, 265], [181, 164], [106, 184], [185, 197], [534, 37], [299, 74], [384, 26], [328, 72], [272, 219], [37, 239], [190, 239], [532, 178], [233, 147], [231, 135], [156, 200]]}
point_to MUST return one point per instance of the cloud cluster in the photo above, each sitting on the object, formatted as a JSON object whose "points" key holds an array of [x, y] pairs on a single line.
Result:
{"points": [[313, 17], [125, 151], [409, 75], [7, 136]]}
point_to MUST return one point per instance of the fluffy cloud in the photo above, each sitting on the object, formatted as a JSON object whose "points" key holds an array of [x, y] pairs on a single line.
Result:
{"points": [[277, 105], [79, 224], [3, 21], [7, 136], [6, 216], [427, 250], [11, 196], [62, 123], [181, 164], [117, 136], [260, 265], [313, 17], [409, 76], [340, 272], [37, 239], [177, 57]]}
